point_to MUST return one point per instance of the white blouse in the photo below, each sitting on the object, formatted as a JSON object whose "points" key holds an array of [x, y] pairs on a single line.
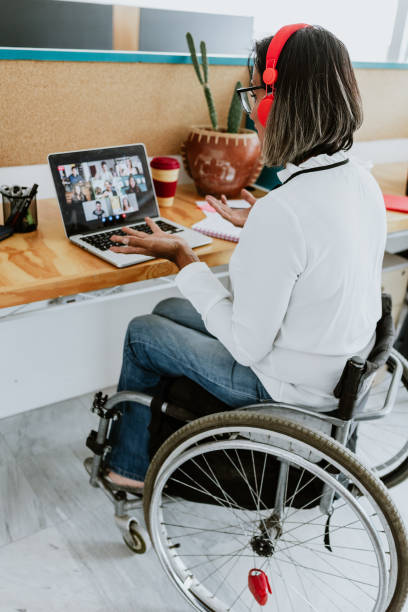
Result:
{"points": [[306, 281]]}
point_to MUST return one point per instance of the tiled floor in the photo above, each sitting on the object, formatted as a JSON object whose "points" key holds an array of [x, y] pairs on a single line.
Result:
{"points": [[59, 547]]}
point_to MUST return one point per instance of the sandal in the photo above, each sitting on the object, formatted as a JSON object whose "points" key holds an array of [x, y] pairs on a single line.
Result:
{"points": [[113, 486]]}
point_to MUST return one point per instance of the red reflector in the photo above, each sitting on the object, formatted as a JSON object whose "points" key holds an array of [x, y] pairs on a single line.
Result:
{"points": [[259, 586]]}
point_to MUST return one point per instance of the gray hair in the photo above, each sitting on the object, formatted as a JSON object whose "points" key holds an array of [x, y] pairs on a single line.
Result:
{"points": [[317, 105]]}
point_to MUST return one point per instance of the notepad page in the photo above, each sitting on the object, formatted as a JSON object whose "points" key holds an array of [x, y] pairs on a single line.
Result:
{"points": [[231, 203], [218, 226]]}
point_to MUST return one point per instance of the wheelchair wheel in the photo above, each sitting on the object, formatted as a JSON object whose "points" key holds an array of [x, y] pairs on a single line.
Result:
{"points": [[220, 532], [136, 538], [383, 443]]}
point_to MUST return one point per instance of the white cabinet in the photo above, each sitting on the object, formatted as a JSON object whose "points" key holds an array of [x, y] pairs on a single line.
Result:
{"points": [[62, 350]]}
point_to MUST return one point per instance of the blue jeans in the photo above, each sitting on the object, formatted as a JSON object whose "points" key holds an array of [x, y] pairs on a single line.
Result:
{"points": [[172, 342]]}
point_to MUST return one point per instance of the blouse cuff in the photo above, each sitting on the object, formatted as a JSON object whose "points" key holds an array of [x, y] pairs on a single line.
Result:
{"points": [[198, 284]]}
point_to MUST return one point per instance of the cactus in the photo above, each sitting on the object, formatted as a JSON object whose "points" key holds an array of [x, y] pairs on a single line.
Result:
{"points": [[211, 107], [203, 50], [203, 78], [194, 59], [235, 111]]}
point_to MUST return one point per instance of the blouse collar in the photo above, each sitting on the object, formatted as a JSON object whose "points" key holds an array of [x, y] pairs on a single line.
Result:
{"points": [[313, 162]]}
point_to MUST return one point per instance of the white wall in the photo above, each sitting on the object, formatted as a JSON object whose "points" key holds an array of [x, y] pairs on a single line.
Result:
{"points": [[365, 26], [372, 152], [61, 349]]}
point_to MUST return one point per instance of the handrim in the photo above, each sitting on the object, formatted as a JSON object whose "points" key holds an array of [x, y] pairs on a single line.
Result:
{"points": [[333, 450]]}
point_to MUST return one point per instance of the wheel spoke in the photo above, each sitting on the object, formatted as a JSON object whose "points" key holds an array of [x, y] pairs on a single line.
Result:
{"points": [[325, 559], [292, 587], [315, 538], [196, 529], [334, 575], [227, 498], [232, 528]]}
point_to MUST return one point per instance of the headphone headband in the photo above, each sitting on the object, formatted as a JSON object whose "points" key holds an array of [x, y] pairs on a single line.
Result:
{"points": [[275, 47]]}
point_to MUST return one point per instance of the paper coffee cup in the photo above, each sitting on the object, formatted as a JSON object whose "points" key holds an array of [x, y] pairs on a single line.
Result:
{"points": [[165, 172]]}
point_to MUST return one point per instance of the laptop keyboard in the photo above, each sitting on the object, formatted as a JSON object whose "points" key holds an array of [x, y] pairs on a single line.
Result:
{"points": [[103, 242]]}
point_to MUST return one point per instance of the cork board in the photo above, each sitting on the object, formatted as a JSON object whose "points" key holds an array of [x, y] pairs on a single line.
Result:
{"points": [[47, 107], [385, 102]]}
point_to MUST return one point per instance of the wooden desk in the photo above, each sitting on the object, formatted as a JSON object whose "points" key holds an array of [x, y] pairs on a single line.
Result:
{"points": [[44, 264], [392, 177]]}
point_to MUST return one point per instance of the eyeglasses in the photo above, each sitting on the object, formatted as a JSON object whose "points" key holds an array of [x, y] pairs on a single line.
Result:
{"points": [[248, 97]]}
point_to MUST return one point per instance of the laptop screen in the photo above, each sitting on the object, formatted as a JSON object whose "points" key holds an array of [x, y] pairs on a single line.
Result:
{"points": [[101, 188]]}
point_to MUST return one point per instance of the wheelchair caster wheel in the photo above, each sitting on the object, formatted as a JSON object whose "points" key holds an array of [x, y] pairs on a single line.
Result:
{"points": [[136, 538]]}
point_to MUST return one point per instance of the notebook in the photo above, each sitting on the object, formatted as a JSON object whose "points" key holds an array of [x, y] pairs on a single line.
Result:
{"points": [[216, 226], [398, 203]]}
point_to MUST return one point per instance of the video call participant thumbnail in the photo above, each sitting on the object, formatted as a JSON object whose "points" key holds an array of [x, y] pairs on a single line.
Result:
{"points": [[133, 186], [106, 174], [78, 195], [99, 212], [75, 177]]}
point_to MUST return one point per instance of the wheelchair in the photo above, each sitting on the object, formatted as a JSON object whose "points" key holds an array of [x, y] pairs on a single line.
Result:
{"points": [[269, 504]]}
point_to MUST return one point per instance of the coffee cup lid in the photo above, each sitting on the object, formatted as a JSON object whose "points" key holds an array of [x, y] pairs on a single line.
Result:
{"points": [[164, 163]]}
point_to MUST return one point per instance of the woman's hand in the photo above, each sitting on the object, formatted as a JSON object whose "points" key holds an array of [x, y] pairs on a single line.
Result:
{"points": [[237, 216], [157, 244]]}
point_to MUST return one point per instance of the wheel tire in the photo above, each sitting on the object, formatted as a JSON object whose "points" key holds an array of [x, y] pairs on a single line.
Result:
{"points": [[400, 473], [327, 445], [134, 539]]}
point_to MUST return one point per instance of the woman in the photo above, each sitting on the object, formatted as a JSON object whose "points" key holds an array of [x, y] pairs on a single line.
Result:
{"points": [[106, 174], [125, 204], [130, 169], [306, 274], [133, 186], [76, 213], [77, 195]]}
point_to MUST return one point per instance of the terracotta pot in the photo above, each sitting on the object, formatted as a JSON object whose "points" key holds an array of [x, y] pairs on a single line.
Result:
{"points": [[219, 162]]}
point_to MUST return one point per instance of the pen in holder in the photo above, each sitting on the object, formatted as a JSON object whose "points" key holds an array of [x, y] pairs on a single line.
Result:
{"points": [[20, 207]]}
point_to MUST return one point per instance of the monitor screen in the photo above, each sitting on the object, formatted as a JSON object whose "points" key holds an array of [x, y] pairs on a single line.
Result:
{"points": [[103, 187]]}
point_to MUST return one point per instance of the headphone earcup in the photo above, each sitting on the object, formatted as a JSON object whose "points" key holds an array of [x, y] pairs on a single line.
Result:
{"points": [[264, 108]]}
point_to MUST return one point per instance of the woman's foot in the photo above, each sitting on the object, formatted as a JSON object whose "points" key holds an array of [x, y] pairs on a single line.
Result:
{"points": [[124, 481]]}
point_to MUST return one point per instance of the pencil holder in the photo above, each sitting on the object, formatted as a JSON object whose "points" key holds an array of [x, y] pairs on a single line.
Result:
{"points": [[29, 222]]}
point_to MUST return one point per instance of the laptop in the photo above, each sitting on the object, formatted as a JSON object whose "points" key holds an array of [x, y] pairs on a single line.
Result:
{"points": [[100, 191]]}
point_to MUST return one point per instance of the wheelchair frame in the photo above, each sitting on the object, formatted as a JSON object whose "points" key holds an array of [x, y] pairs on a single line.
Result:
{"points": [[106, 409]]}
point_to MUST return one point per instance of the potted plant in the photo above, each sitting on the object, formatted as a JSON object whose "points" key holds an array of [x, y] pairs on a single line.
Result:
{"points": [[220, 160]]}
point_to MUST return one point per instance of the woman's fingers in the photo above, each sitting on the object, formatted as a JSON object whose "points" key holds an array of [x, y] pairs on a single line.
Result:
{"points": [[135, 233], [248, 197], [220, 206], [133, 240], [153, 226], [129, 249], [223, 210], [130, 232], [214, 201]]}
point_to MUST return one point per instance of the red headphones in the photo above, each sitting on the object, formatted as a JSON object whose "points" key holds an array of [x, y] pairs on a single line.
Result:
{"points": [[270, 73]]}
